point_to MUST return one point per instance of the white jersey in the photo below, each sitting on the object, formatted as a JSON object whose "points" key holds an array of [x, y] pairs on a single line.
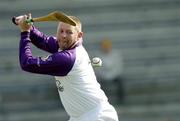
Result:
{"points": [[79, 90]]}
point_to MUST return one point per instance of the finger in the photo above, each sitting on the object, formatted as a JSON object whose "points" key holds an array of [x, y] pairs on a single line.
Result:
{"points": [[25, 17], [22, 20], [29, 16]]}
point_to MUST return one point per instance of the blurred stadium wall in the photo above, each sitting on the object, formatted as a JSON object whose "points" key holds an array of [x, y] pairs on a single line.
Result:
{"points": [[145, 31]]}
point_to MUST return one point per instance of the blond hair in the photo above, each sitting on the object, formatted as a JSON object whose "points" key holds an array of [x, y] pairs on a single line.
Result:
{"points": [[78, 23]]}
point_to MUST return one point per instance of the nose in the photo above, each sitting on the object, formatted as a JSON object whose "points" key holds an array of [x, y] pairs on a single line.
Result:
{"points": [[63, 34]]}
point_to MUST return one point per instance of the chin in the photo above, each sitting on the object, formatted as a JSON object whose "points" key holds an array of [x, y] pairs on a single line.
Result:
{"points": [[63, 48]]}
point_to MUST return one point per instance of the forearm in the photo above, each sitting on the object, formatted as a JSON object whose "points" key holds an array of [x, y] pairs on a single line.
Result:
{"points": [[39, 39], [42, 41]]}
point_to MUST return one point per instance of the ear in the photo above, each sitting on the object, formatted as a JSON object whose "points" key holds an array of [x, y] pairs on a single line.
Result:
{"points": [[80, 34]]}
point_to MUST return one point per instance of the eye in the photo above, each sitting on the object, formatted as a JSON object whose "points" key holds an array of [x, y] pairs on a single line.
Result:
{"points": [[69, 32], [61, 31]]}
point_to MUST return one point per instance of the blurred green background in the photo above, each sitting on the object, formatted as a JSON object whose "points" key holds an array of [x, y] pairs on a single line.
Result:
{"points": [[146, 32]]}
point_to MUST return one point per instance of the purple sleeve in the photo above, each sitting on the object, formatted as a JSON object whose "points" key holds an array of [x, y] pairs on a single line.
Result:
{"points": [[58, 64], [42, 41]]}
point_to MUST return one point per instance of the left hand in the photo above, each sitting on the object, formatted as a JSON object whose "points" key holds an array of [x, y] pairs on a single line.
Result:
{"points": [[23, 25]]}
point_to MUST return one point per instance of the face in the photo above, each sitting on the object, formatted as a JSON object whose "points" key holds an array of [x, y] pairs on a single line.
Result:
{"points": [[67, 36]]}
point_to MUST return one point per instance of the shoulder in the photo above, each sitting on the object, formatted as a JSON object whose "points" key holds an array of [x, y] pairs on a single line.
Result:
{"points": [[66, 55], [64, 61]]}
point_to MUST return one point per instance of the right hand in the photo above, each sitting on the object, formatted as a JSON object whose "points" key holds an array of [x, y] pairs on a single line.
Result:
{"points": [[23, 25]]}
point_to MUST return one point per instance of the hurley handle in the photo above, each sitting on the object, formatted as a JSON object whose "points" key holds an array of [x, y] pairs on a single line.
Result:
{"points": [[14, 20]]}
